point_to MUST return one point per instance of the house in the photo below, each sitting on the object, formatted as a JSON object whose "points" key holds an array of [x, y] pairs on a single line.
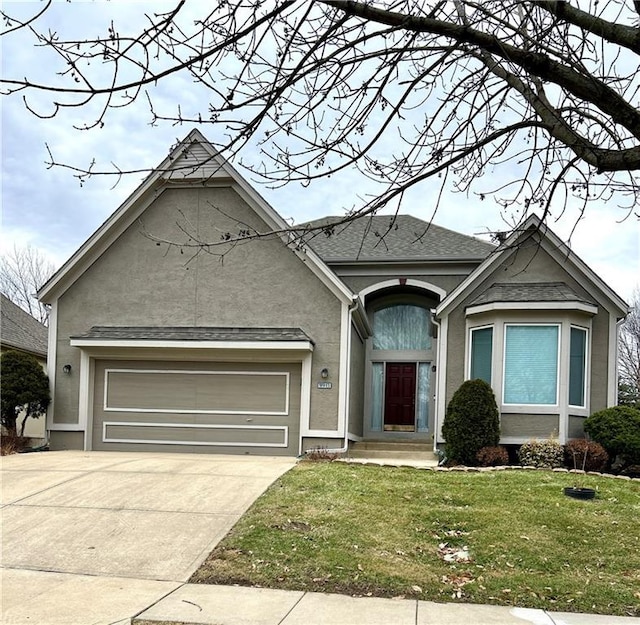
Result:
{"points": [[312, 338], [21, 332]]}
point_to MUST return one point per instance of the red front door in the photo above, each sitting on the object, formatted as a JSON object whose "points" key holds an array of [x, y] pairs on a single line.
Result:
{"points": [[400, 397]]}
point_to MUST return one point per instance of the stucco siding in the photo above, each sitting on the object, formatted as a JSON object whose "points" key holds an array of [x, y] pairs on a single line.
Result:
{"points": [[138, 283], [576, 427], [599, 360], [65, 395], [66, 440], [455, 352], [321, 444], [356, 393], [528, 425]]}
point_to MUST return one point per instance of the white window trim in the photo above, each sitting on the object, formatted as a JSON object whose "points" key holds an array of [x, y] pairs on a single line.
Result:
{"points": [[538, 407], [586, 372], [469, 348]]}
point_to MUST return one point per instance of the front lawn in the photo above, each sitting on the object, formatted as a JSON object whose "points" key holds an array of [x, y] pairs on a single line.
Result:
{"points": [[503, 537]]}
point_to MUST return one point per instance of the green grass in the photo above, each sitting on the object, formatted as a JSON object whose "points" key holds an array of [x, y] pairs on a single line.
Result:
{"points": [[333, 527]]}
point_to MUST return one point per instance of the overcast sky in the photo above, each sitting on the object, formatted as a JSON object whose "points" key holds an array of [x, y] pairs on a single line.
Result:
{"points": [[49, 209]]}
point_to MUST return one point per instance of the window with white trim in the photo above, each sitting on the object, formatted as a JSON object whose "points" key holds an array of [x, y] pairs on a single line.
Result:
{"points": [[481, 354], [577, 367], [530, 374]]}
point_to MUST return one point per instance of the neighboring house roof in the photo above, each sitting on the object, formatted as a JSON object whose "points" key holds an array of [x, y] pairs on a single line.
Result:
{"points": [[389, 238], [190, 333], [529, 292], [19, 330]]}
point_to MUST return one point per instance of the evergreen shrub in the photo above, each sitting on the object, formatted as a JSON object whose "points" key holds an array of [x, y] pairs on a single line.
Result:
{"points": [[24, 392], [471, 422], [617, 429]]}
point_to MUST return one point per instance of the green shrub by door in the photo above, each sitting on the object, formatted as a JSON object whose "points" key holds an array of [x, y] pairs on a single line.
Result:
{"points": [[471, 422]]}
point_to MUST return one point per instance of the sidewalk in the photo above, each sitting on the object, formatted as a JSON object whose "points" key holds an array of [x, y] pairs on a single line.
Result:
{"points": [[201, 604]]}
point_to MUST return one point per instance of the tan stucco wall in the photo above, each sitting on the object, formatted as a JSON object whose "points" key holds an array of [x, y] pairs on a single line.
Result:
{"points": [[356, 395], [529, 425], [139, 283], [66, 440], [321, 444], [531, 263], [576, 427], [599, 370]]}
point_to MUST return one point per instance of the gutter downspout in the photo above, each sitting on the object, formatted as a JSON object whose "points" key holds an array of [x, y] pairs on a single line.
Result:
{"points": [[437, 385], [619, 323]]}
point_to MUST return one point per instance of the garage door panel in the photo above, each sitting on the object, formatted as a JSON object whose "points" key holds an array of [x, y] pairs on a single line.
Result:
{"points": [[230, 392], [183, 406], [264, 393], [206, 435]]}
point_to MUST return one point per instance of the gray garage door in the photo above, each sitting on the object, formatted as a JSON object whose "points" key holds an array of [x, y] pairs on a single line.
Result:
{"points": [[196, 406]]}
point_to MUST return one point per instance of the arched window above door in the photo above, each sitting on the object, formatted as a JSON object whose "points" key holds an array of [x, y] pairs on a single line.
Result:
{"points": [[402, 326]]}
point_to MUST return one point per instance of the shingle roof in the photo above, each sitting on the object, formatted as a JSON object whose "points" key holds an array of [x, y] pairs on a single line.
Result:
{"points": [[20, 330], [529, 292], [190, 333], [392, 238]]}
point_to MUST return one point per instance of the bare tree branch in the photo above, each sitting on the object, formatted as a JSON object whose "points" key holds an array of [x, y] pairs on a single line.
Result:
{"points": [[22, 272], [401, 91], [629, 349]]}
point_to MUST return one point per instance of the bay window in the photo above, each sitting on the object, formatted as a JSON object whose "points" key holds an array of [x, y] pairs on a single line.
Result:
{"points": [[528, 363]]}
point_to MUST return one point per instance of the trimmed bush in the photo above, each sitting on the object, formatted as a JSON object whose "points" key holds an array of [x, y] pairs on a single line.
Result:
{"points": [[617, 429], [471, 422], [25, 390], [493, 457], [543, 454], [596, 455]]}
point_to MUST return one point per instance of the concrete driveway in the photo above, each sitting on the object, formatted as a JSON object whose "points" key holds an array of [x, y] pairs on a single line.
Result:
{"points": [[95, 537]]}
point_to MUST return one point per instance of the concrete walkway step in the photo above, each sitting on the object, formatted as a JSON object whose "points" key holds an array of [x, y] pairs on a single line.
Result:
{"points": [[399, 453], [391, 446], [378, 453]]}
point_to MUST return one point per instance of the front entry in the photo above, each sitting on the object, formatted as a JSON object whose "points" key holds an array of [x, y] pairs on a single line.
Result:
{"points": [[400, 397]]}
